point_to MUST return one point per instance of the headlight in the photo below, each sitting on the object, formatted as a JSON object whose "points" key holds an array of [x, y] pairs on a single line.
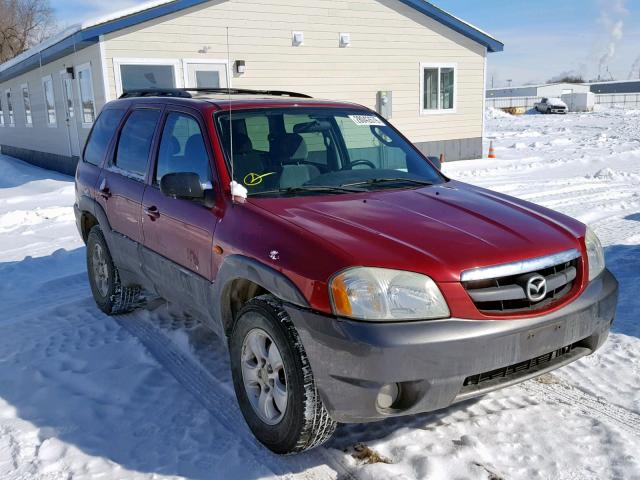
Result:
{"points": [[595, 254], [381, 294]]}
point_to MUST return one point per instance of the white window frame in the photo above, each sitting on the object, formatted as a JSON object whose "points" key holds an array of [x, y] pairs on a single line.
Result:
{"points": [[118, 62], [53, 124], [439, 110], [11, 112], [80, 111], [194, 61], [23, 87]]}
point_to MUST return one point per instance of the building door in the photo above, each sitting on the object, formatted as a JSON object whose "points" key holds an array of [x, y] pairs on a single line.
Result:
{"points": [[70, 114], [205, 75]]}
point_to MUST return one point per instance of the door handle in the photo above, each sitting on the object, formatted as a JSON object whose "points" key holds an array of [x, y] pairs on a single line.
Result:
{"points": [[104, 190], [152, 212]]}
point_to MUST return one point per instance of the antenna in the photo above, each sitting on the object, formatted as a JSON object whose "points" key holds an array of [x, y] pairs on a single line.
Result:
{"points": [[230, 113]]}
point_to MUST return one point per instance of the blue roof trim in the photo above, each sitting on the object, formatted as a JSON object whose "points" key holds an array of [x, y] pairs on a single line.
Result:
{"points": [[456, 24], [91, 35]]}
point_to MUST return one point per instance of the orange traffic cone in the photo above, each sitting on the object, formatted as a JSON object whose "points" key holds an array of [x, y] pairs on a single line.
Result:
{"points": [[492, 152]]}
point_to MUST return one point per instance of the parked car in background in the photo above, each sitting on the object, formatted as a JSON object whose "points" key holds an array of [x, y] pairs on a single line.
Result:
{"points": [[551, 105], [351, 280]]}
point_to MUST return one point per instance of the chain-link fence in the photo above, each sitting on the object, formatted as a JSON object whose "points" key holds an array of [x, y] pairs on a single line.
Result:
{"points": [[509, 102], [623, 100], [620, 100]]}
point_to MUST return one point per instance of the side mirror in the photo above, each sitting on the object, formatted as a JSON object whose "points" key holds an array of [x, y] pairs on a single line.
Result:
{"points": [[436, 161], [184, 185]]}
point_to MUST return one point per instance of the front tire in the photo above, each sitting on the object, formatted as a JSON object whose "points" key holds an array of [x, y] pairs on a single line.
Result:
{"points": [[108, 292], [273, 380]]}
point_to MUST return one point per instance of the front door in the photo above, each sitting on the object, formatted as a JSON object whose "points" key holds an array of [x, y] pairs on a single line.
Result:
{"points": [[206, 75], [178, 234], [69, 114]]}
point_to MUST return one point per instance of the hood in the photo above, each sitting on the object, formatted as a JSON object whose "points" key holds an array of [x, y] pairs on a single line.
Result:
{"points": [[439, 231]]}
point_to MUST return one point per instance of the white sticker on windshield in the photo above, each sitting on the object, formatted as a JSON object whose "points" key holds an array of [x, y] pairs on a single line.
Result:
{"points": [[366, 120]]}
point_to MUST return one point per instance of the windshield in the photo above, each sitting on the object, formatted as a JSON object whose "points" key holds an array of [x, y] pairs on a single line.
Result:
{"points": [[319, 151]]}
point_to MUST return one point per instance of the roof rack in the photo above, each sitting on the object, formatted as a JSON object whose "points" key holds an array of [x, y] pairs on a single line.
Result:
{"points": [[184, 92], [156, 92], [246, 91]]}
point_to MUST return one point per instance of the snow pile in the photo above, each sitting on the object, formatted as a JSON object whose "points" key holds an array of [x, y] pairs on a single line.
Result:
{"points": [[149, 395]]}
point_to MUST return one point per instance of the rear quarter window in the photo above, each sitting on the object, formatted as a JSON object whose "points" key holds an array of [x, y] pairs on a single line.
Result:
{"points": [[101, 135]]}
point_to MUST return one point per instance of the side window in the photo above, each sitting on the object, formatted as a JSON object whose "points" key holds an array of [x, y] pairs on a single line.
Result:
{"points": [[101, 135], [135, 142], [182, 148]]}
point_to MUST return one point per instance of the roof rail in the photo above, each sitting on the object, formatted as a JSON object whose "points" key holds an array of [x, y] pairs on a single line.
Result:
{"points": [[246, 91], [184, 92], [156, 92]]}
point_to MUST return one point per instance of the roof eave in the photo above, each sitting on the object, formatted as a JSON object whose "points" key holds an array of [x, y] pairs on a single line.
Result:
{"points": [[492, 45], [91, 35]]}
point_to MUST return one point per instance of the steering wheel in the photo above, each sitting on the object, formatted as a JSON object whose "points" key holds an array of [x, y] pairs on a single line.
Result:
{"points": [[364, 162]]}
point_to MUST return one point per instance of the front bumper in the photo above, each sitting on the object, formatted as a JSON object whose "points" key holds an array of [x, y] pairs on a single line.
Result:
{"points": [[430, 360]]}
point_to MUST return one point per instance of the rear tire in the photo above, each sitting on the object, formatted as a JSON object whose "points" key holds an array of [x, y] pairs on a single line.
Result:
{"points": [[110, 296], [303, 422]]}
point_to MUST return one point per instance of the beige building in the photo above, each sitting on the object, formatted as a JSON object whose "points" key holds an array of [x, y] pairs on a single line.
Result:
{"points": [[417, 65]]}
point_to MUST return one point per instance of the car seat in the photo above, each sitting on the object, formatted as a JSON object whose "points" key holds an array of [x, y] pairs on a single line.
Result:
{"points": [[292, 151]]}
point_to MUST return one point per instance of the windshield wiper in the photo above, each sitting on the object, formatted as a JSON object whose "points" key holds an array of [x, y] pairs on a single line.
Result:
{"points": [[380, 181], [309, 188]]}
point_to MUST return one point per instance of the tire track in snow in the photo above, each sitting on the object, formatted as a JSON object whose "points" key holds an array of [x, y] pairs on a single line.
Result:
{"points": [[206, 389], [587, 404]]}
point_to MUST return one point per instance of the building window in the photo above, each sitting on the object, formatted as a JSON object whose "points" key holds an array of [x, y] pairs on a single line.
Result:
{"points": [[205, 73], [87, 100], [438, 88], [67, 93], [144, 74], [49, 100], [1, 113], [12, 119], [26, 100]]}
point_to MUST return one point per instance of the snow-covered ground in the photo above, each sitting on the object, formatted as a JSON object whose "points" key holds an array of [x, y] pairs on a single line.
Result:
{"points": [[149, 395]]}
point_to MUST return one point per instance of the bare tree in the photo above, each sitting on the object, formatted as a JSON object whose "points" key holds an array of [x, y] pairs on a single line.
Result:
{"points": [[23, 24]]}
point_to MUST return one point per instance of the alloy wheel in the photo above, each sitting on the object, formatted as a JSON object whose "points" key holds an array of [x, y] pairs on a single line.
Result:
{"points": [[100, 270], [264, 376]]}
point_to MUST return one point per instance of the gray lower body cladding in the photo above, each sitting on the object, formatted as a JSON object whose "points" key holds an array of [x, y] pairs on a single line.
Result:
{"points": [[441, 362]]}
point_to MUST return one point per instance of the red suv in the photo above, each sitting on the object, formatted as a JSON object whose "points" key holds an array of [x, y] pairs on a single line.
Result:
{"points": [[352, 280]]}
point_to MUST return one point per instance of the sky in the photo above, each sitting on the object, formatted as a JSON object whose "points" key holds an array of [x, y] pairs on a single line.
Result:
{"points": [[543, 39]]}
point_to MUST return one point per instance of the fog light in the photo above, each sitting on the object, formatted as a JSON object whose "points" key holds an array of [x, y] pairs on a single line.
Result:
{"points": [[388, 395]]}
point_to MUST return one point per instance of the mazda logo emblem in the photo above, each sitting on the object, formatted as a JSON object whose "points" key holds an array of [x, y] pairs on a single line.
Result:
{"points": [[536, 288]]}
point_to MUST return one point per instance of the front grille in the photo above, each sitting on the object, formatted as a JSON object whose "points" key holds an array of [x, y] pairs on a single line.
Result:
{"points": [[505, 373], [506, 294]]}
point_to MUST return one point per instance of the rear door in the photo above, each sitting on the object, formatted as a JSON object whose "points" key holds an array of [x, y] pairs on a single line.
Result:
{"points": [[122, 184], [178, 234]]}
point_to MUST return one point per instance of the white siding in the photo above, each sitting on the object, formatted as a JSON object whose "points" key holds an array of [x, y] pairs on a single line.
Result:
{"points": [[42, 137], [388, 42]]}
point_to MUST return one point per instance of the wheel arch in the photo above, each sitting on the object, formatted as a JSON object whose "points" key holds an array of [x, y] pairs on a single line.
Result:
{"points": [[240, 279], [92, 214]]}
